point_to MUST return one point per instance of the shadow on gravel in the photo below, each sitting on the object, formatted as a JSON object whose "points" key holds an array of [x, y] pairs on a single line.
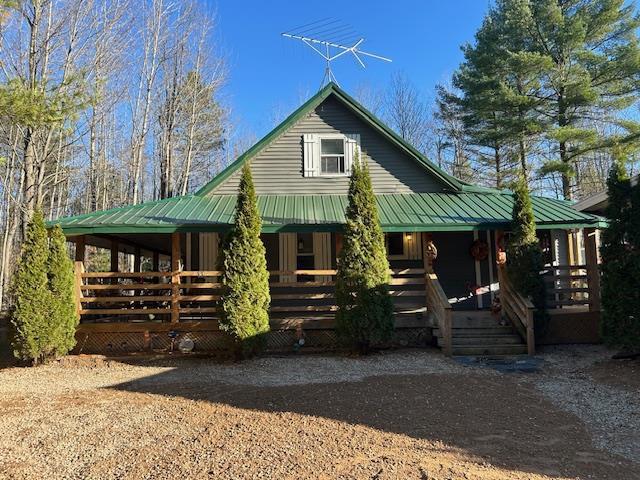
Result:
{"points": [[491, 417]]}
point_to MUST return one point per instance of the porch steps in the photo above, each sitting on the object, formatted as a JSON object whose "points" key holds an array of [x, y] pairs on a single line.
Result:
{"points": [[479, 333]]}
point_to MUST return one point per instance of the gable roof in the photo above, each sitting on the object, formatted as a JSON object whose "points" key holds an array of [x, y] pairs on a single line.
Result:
{"points": [[462, 207], [365, 115]]}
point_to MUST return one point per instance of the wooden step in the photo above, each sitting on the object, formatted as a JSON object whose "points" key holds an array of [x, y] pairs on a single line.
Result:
{"points": [[469, 331], [474, 321]]}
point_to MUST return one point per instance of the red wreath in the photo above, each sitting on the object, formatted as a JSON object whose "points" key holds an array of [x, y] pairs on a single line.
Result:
{"points": [[479, 250]]}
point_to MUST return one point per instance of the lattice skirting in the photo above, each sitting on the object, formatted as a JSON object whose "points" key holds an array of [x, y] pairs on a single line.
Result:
{"points": [[281, 341]]}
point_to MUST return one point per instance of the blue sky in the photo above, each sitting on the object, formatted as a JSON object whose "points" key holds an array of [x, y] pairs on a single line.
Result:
{"points": [[270, 73]]}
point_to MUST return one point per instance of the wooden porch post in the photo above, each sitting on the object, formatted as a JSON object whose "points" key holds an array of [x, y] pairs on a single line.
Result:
{"points": [[80, 244], [114, 260], [156, 262], [114, 256], [78, 271], [175, 277], [593, 272], [136, 260]]}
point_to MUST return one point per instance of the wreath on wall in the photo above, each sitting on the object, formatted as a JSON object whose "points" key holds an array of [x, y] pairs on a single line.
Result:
{"points": [[479, 250]]}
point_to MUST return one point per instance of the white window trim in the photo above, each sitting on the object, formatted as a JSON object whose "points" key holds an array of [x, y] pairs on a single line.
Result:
{"points": [[332, 136]]}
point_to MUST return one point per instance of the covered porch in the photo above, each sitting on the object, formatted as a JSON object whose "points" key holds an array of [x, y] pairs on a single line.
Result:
{"points": [[158, 280]]}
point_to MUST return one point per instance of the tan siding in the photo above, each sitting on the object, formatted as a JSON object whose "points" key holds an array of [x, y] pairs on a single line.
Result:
{"points": [[208, 251], [278, 168]]}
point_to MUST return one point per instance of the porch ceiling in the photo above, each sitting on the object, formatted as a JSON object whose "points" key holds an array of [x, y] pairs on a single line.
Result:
{"points": [[403, 212]]}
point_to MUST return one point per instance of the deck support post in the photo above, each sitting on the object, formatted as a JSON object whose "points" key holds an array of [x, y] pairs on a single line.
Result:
{"points": [[175, 277], [593, 272]]}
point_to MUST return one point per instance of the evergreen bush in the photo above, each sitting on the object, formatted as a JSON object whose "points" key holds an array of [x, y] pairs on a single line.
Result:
{"points": [[620, 252], [63, 311], [365, 307], [31, 310], [525, 262], [246, 298]]}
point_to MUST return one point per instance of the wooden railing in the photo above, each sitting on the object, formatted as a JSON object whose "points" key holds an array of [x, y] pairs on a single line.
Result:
{"points": [[572, 286], [518, 309], [147, 294], [438, 305], [195, 295]]}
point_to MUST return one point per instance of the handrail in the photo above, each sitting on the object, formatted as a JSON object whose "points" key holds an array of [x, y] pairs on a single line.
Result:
{"points": [[518, 309], [438, 304]]}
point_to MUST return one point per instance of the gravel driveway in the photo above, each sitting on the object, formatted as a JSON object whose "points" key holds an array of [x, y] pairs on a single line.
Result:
{"points": [[405, 414]]}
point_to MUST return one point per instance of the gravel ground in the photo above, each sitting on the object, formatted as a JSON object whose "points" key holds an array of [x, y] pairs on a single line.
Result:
{"points": [[407, 414], [611, 412]]}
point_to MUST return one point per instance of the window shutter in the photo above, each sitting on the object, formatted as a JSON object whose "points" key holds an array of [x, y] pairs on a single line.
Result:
{"points": [[322, 254], [352, 145], [311, 155], [208, 253], [288, 250]]}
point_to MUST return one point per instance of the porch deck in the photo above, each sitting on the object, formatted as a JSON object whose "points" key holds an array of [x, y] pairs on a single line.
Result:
{"points": [[132, 311]]}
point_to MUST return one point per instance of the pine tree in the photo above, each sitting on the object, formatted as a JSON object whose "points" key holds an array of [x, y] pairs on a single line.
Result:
{"points": [[63, 313], [524, 255], [365, 308], [246, 298], [31, 315], [594, 52], [500, 82], [620, 325]]}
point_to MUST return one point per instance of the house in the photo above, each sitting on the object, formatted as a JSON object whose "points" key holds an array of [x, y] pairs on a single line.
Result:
{"points": [[445, 241]]}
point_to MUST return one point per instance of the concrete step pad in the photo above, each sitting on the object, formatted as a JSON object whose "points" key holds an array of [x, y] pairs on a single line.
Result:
{"points": [[489, 350], [486, 340]]}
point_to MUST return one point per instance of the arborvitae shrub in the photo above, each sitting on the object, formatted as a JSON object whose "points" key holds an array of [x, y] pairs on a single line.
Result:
{"points": [[525, 262], [64, 315], [246, 298], [620, 254], [31, 311], [365, 307]]}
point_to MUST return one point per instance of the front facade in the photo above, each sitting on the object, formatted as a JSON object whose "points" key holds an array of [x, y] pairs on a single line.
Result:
{"points": [[444, 239]]}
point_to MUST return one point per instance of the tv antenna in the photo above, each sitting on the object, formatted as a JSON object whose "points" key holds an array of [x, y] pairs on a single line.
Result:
{"points": [[331, 39]]}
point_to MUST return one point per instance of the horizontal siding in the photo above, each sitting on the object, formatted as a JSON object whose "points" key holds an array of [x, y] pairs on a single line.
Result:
{"points": [[278, 169]]}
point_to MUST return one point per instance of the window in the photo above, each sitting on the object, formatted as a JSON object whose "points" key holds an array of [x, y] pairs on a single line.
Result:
{"points": [[332, 156], [395, 244]]}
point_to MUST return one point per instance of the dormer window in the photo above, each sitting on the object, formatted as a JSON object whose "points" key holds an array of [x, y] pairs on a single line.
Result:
{"points": [[332, 156]]}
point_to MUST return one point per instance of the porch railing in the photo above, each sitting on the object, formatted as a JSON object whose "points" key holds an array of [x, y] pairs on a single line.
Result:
{"points": [[195, 295], [440, 308], [518, 309], [571, 286]]}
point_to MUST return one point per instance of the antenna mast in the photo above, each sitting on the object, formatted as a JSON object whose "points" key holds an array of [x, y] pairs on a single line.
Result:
{"points": [[331, 39]]}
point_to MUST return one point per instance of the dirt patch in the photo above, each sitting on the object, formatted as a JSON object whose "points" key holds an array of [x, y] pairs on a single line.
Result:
{"points": [[413, 415], [620, 373]]}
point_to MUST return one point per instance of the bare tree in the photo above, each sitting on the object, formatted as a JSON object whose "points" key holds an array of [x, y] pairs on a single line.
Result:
{"points": [[406, 111]]}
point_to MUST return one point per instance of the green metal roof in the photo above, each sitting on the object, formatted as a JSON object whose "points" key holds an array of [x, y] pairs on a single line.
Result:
{"points": [[368, 117], [280, 213]]}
